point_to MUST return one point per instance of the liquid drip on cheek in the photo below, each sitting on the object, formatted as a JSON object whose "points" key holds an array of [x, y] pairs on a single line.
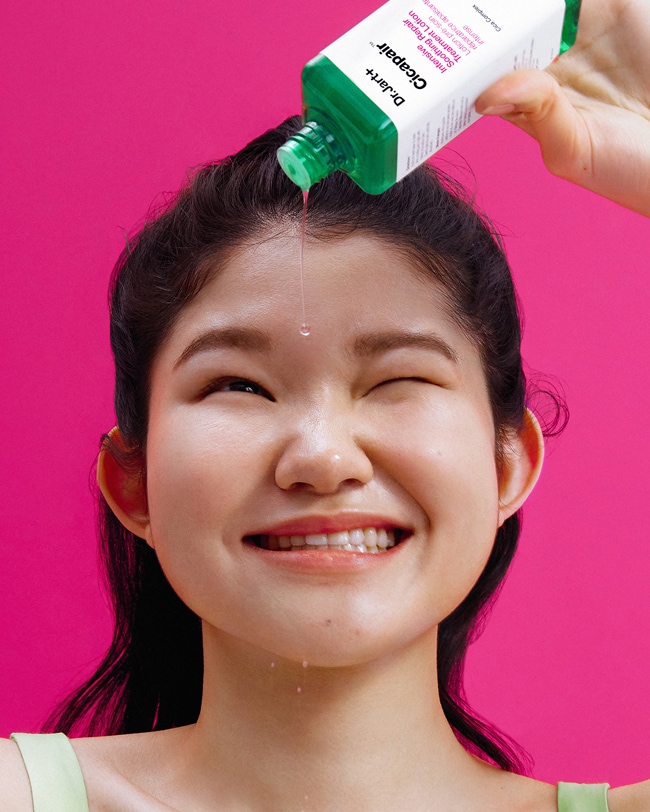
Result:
{"points": [[305, 329]]}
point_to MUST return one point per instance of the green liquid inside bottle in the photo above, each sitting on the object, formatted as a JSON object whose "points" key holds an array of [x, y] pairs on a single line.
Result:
{"points": [[344, 129], [570, 27]]}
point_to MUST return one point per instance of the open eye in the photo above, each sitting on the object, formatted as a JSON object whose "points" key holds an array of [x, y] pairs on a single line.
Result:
{"points": [[232, 384]]}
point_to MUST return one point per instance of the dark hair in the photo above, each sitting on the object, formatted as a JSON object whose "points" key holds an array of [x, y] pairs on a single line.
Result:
{"points": [[151, 677]]}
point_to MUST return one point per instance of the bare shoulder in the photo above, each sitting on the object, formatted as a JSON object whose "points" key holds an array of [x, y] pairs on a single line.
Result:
{"points": [[129, 771], [633, 798], [120, 772], [530, 795], [15, 794], [517, 793], [128, 754]]}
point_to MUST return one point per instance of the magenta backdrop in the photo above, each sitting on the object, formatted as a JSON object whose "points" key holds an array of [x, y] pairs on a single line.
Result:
{"points": [[105, 106]]}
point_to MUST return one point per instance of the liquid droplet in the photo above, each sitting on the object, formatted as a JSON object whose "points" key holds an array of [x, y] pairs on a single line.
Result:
{"points": [[299, 689], [305, 329], [304, 663], [272, 665]]}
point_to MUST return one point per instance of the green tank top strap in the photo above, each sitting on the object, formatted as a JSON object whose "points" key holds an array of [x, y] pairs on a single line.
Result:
{"points": [[54, 772], [582, 797]]}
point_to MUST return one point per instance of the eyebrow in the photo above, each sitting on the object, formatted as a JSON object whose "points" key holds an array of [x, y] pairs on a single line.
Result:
{"points": [[247, 338], [376, 343], [250, 338]]}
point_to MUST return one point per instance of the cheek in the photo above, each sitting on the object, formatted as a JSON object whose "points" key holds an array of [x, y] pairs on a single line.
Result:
{"points": [[200, 480], [445, 454], [200, 474], [448, 466]]}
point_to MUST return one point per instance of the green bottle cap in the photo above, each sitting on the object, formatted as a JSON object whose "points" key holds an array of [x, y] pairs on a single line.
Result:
{"points": [[309, 155]]}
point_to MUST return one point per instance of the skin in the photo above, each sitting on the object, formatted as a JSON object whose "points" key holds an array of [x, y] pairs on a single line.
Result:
{"points": [[341, 436], [590, 111], [400, 435], [397, 434]]}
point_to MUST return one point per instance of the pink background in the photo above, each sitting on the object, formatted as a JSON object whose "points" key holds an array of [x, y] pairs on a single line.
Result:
{"points": [[105, 106]]}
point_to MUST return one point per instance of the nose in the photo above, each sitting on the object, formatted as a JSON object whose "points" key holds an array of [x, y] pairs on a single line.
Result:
{"points": [[323, 455]]}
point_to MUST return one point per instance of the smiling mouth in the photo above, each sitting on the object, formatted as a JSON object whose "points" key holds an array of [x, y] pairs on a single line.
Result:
{"points": [[366, 540]]}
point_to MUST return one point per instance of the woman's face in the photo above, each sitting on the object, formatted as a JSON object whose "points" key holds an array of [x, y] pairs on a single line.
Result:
{"points": [[379, 420]]}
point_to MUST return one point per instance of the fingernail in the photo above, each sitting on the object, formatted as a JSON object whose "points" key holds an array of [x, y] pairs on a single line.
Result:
{"points": [[498, 110]]}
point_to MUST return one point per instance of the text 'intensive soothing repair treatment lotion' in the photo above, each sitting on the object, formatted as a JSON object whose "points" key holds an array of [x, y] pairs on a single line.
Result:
{"points": [[402, 83]]}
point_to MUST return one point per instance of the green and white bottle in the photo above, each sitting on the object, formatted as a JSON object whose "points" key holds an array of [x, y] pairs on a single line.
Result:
{"points": [[402, 83]]}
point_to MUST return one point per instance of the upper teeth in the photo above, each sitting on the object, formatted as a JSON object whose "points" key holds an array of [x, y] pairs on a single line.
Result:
{"points": [[368, 540]]}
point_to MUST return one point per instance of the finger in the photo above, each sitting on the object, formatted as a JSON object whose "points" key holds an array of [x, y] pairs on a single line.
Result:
{"points": [[535, 102], [525, 88]]}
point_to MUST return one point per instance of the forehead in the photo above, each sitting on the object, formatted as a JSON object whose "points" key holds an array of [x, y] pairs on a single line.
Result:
{"points": [[344, 272], [354, 285]]}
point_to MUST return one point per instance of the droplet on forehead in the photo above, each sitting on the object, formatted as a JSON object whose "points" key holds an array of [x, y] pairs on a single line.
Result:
{"points": [[305, 329]]}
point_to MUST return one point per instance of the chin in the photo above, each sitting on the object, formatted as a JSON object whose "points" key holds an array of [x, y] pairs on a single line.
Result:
{"points": [[337, 644]]}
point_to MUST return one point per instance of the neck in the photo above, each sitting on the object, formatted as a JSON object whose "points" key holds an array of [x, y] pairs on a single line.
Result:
{"points": [[288, 731]]}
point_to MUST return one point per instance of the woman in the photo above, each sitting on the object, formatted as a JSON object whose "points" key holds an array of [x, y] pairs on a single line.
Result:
{"points": [[333, 507], [399, 421], [240, 439]]}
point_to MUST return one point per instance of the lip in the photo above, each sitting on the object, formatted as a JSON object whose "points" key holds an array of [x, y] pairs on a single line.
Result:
{"points": [[308, 525], [327, 561], [324, 561]]}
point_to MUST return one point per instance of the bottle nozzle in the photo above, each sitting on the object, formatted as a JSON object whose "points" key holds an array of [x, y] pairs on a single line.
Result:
{"points": [[309, 155]]}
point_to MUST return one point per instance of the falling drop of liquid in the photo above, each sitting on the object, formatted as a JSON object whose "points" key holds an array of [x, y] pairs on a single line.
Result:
{"points": [[305, 329]]}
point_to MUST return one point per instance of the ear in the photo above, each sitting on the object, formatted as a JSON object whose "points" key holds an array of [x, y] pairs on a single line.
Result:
{"points": [[123, 487], [521, 466]]}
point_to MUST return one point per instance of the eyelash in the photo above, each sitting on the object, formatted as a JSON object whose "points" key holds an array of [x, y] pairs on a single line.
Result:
{"points": [[221, 384], [406, 378], [252, 388]]}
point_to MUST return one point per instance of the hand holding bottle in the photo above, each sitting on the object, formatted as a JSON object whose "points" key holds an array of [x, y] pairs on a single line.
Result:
{"points": [[590, 111]]}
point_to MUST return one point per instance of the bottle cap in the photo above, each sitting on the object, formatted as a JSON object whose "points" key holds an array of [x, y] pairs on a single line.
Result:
{"points": [[309, 155]]}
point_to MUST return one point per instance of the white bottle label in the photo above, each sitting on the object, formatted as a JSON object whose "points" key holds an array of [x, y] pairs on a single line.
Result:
{"points": [[425, 62]]}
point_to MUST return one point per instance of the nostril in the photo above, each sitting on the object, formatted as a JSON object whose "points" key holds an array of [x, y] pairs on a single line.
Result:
{"points": [[323, 469]]}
